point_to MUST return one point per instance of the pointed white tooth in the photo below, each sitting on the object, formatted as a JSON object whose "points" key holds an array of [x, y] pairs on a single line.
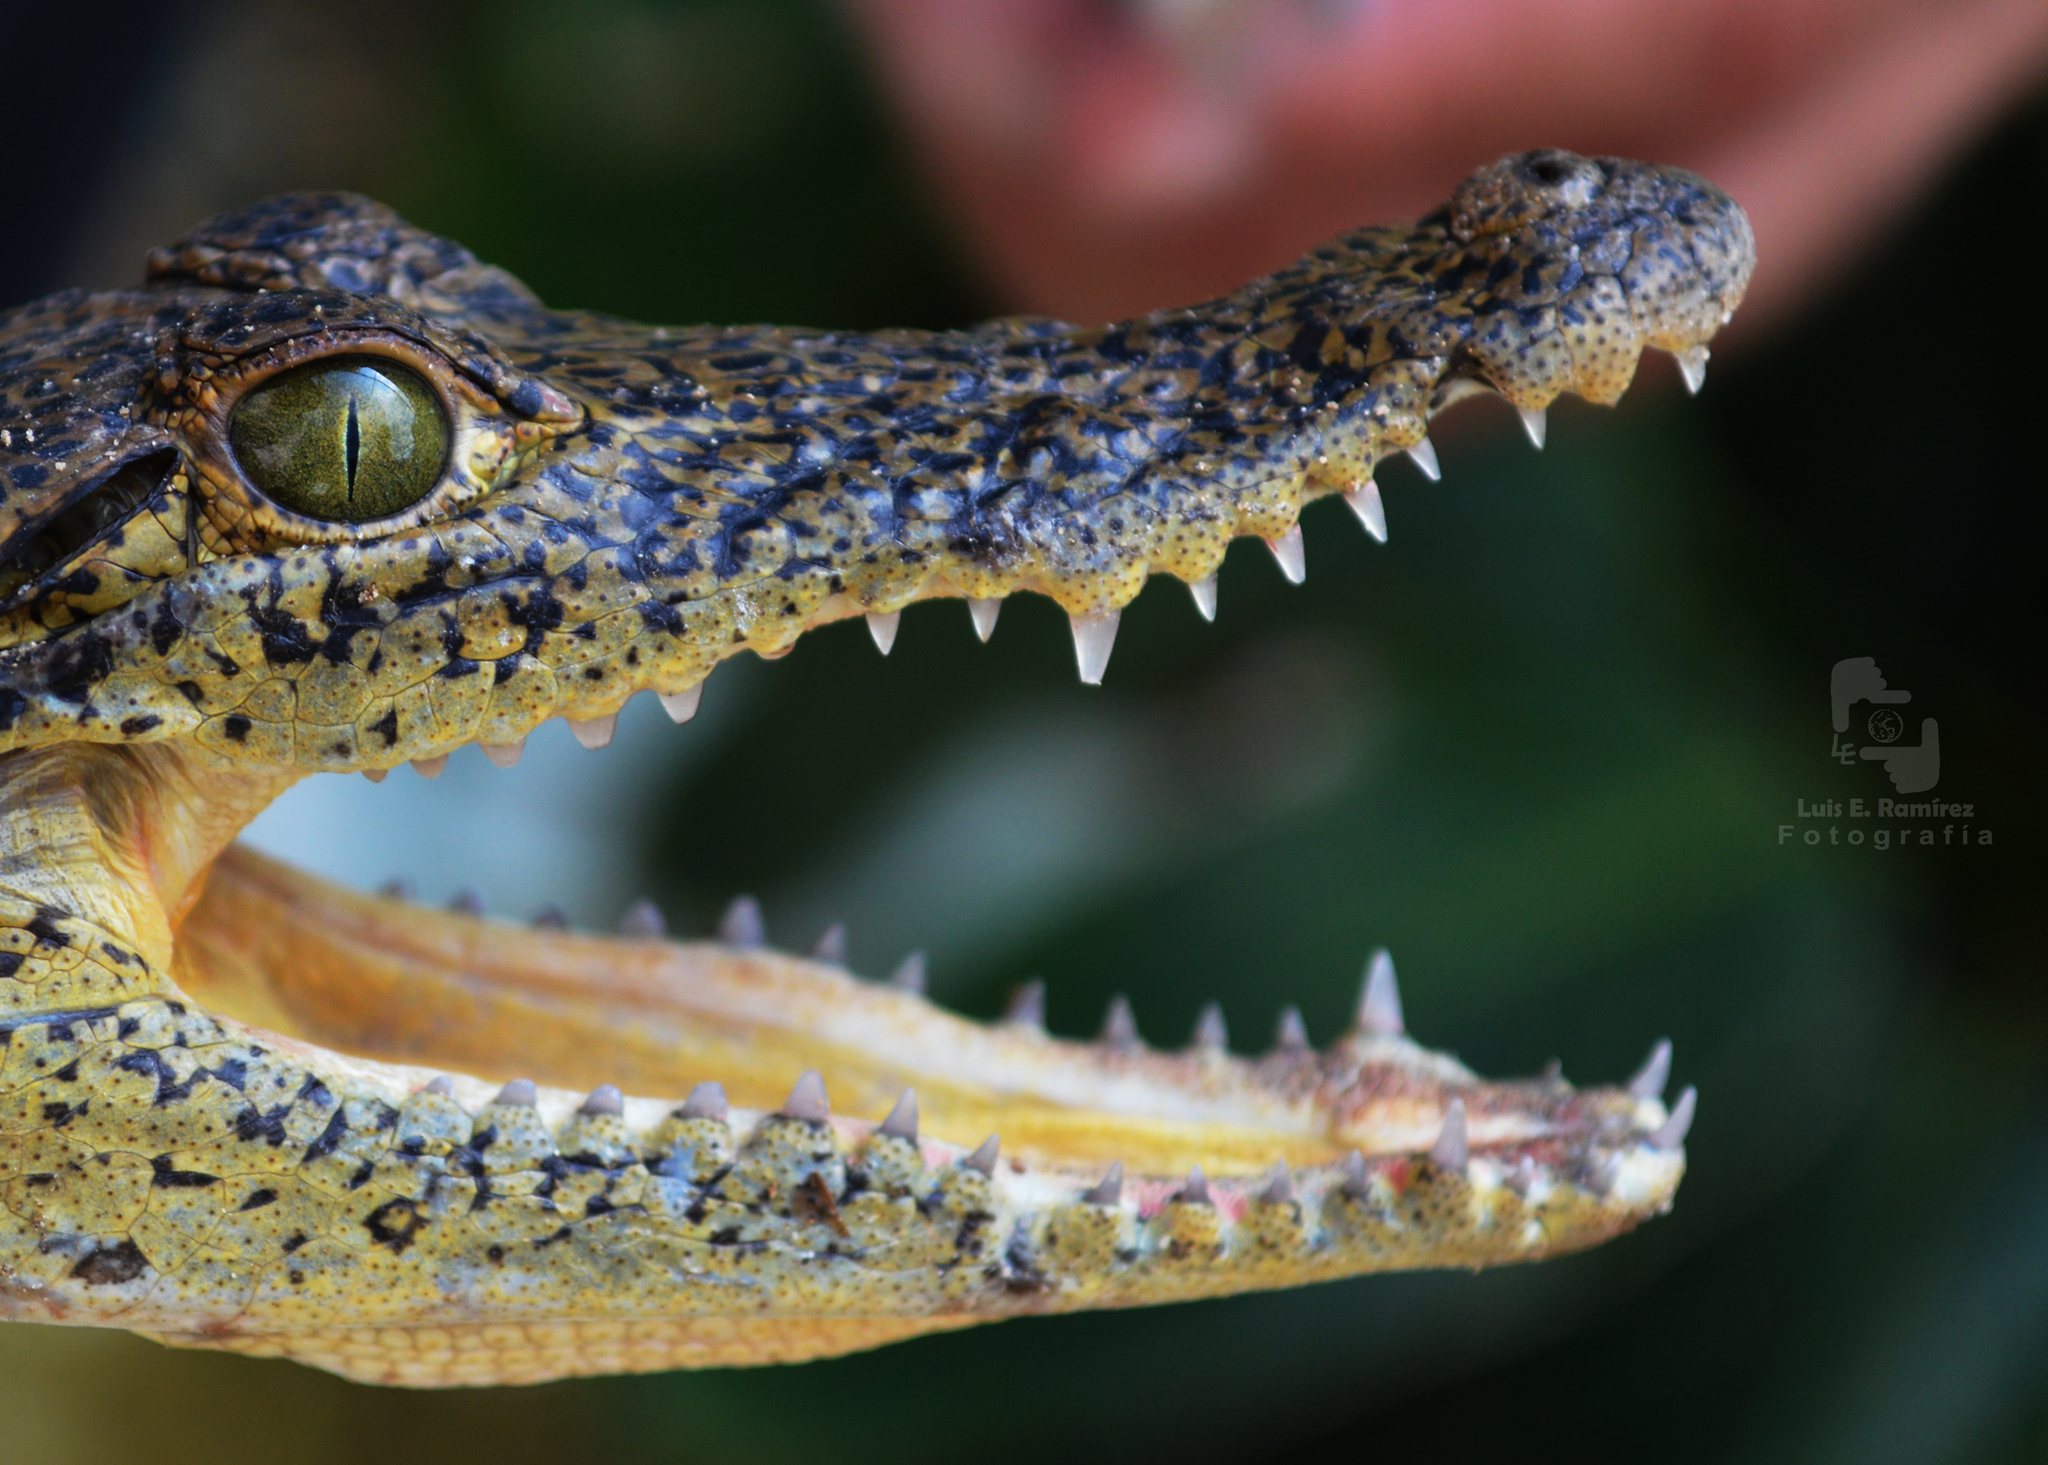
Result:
{"points": [[1424, 454], [1204, 591], [682, 706], [882, 626], [830, 947], [1357, 1178], [1280, 1189], [909, 976], [1365, 502], [1536, 423], [1027, 1005], [1692, 365], [984, 1156], [1211, 1035], [1108, 1191], [1292, 554], [984, 613], [643, 921], [504, 755], [443, 1085], [1654, 1074], [1119, 1024], [430, 767], [520, 1091], [741, 925], [807, 1100], [1195, 1192], [604, 1099], [594, 732], [1094, 636], [706, 1101], [902, 1120], [1293, 1034], [1672, 1132], [468, 901], [1379, 1004], [1452, 1149], [376, 775]]}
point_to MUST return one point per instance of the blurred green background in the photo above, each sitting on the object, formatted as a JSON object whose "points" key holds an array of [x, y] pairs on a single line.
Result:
{"points": [[1540, 744]]}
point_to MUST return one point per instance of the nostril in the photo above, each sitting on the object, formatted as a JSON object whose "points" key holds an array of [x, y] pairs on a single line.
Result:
{"points": [[1549, 170]]}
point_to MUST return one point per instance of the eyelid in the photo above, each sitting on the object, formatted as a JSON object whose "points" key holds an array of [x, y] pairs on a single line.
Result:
{"points": [[487, 441]]}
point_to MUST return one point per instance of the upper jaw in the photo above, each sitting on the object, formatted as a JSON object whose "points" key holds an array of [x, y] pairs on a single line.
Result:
{"points": [[660, 499]]}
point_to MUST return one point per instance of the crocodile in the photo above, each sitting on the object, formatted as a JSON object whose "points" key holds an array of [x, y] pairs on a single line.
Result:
{"points": [[327, 494]]}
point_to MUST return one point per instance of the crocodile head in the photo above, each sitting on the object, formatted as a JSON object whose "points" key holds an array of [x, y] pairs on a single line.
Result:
{"points": [[329, 495]]}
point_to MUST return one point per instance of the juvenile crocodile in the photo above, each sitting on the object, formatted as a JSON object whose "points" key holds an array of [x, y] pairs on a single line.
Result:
{"points": [[329, 495]]}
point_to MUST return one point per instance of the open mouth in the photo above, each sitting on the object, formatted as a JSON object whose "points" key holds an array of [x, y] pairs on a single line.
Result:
{"points": [[383, 504]]}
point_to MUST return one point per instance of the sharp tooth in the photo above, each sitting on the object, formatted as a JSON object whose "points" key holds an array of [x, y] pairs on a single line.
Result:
{"points": [[1293, 1034], [1094, 635], [604, 1099], [807, 1099], [680, 707], [520, 1091], [909, 977], [430, 767], [376, 775], [443, 1085], [396, 888], [902, 1120], [1654, 1074], [984, 1156], [1211, 1036], [504, 755], [1357, 1179], [882, 626], [1692, 365], [1379, 1004], [468, 901], [1535, 423], [1108, 1191], [1280, 1189], [830, 946], [1027, 1006], [1372, 513], [1672, 1132], [1120, 1024], [550, 918], [643, 921], [1204, 591], [741, 924], [706, 1101], [1292, 554], [1424, 454], [984, 613], [1196, 1191], [1451, 1150], [594, 732]]}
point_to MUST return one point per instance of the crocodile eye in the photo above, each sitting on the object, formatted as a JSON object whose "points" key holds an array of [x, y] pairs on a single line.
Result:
{"points": [[347, 438]]}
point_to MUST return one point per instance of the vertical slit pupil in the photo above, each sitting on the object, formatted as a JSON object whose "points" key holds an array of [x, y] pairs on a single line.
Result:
{"points": [[355, 443]]}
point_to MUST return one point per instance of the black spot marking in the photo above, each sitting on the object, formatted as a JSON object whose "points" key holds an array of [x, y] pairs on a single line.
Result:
{"points": [[108, 1266], [258, 1199], [396, 1224]]}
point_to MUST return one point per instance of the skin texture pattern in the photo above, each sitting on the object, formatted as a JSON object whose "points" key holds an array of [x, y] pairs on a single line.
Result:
{"points": [[328, 495]]}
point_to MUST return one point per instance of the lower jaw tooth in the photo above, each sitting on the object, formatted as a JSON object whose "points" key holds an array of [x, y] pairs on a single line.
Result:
{"points": [[594, 732]]}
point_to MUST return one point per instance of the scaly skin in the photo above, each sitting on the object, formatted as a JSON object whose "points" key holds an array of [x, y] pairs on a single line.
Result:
{"points": [[220, 1121]]}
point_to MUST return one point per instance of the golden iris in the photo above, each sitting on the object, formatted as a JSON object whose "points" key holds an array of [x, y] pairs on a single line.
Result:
{"points": [[348, 438]]}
